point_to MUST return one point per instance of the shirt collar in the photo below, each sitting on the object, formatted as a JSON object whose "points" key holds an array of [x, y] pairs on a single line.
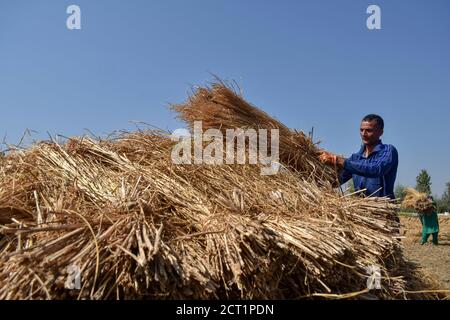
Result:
{"points": [[377, 148]]}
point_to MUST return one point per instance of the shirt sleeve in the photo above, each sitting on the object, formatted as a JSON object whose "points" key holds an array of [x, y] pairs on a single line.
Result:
{"points": [[364, 167], [345, 175]]}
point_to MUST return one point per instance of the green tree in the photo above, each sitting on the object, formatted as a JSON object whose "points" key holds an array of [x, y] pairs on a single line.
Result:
{"points": [[400, 192], [443, 203], [446, 194], [423, 182], [348, 187], [351, 186]]}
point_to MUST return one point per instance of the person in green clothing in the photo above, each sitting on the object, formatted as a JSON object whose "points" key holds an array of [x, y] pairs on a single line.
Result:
{"points": [[426, 207], [430, 223]]}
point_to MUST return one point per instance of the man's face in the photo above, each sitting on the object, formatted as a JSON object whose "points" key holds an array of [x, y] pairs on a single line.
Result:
{"points": [[370, 132]]}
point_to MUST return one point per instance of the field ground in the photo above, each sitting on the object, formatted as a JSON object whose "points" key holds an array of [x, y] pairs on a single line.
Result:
{"points": [[434, 259]]}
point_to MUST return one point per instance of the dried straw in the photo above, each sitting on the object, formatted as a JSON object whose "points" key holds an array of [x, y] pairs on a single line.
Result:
{"points": [[140, 227], [416, 200], [219, 106]]}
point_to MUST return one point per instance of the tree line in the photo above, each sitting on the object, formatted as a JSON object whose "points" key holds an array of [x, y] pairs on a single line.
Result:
{"points": [[423, 184]]}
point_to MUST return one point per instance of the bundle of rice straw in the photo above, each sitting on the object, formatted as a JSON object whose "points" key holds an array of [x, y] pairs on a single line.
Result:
{"points": [[219, 106], [416, 200], [137, 226]]}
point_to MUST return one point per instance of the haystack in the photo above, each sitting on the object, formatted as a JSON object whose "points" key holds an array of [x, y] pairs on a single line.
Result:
{"points": [[220, 106], [137, 226], [418, 201]]}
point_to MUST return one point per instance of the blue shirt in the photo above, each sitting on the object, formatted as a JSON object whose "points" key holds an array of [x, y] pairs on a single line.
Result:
{"points": [[376, 173]]}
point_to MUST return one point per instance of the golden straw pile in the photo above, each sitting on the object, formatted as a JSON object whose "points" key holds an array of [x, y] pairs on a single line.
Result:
{"points": [[219, 107], [417, 201], [138, 226]]}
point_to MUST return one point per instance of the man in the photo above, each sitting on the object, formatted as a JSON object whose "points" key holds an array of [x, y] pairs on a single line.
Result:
{"points": [[374, 166]]}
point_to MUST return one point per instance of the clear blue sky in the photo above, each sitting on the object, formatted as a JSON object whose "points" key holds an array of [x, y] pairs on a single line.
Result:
{"points": [[308, 63]]}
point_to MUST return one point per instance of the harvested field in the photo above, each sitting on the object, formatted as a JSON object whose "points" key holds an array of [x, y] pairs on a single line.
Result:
{"points": [[435, 260]]}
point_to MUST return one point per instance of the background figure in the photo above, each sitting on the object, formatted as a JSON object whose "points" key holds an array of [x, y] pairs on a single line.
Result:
{"points": [[425, 206], [430, 223]]}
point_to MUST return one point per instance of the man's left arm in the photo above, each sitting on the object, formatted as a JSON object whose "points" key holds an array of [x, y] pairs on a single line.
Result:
{"points": [[378, 168]]}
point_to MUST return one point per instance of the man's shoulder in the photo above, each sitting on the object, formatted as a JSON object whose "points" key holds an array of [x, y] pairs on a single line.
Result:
{"points": [[389, 152], [390, 148], [382, 147]]}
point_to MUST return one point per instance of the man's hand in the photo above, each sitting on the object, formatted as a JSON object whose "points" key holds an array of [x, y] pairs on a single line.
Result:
{"points": [[331, 159]]}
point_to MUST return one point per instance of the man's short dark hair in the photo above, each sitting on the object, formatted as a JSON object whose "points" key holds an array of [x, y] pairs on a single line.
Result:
{"points": [[377, 118]]}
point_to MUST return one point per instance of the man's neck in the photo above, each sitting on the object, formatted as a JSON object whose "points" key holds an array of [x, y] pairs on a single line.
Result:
{"points": [[369, 148]]}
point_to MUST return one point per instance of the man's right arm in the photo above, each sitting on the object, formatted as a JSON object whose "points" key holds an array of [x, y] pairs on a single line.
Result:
{"points": [[344, 174], [331, 159]]}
